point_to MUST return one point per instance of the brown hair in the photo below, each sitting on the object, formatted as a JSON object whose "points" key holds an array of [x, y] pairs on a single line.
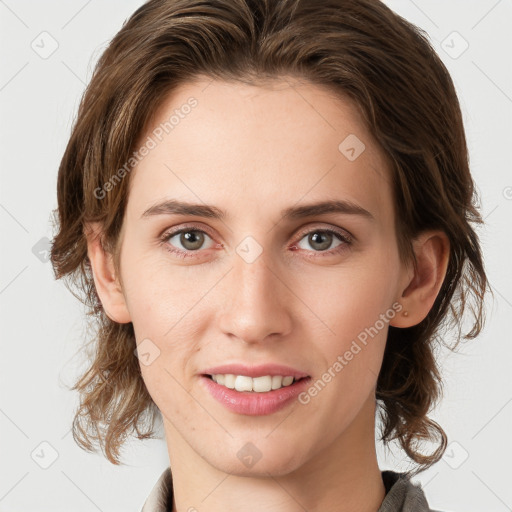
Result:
{"points": [[357, 48]]}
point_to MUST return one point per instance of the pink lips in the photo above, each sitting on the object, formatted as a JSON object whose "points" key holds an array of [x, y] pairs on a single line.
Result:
{"points": [[253, 403]]}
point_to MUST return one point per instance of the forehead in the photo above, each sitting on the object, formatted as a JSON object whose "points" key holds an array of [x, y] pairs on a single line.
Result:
{"points": [[234, 144]]}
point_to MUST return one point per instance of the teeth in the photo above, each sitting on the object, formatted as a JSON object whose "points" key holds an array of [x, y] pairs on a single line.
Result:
{"points": [[258, 384]]}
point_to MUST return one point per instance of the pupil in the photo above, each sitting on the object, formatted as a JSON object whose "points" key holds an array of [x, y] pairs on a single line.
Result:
{"points": [[315, 237], [192, 240]]}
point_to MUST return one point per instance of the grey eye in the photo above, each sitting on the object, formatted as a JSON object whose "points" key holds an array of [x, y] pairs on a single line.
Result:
{"points": [[320, 240], [190, 239]]}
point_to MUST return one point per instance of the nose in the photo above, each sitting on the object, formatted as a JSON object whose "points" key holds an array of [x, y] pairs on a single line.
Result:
{"points": [[257, 302]]}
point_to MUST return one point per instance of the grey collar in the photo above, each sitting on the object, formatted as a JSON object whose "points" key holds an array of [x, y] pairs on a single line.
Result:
{"points": [[401, 494]]}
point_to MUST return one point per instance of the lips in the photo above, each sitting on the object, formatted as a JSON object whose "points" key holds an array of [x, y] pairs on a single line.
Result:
{"points": [[254, 403], [255, 371], [259, 402]]}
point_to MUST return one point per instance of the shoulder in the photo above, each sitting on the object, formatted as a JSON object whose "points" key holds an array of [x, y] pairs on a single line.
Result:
{"points": [[403, 495]]}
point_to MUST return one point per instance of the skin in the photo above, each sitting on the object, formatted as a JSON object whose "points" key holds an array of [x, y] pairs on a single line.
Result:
{"points": [[253, 151]]}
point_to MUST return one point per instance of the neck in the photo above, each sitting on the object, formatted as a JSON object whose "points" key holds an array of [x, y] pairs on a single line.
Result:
{"points": [[342, 477]]}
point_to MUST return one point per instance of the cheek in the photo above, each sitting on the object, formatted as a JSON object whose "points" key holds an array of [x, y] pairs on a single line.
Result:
{"points": [[349, 298], [354, 305], [167, 315], [157, 293]]}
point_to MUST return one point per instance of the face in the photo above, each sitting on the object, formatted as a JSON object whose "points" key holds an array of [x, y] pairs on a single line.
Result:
{"points": [[259, 278]]}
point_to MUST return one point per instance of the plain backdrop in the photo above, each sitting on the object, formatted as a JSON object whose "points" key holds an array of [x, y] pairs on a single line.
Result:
{"points": [[42, 324]]}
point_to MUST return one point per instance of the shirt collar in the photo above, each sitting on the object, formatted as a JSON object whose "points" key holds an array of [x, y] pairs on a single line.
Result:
{"points": [[401, 494]]}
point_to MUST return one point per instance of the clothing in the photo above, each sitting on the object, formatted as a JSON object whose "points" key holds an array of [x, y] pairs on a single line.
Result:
{"points": [[401, 494]]}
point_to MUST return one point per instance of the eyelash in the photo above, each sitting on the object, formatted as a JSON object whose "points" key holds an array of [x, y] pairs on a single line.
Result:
{"points": [[345, 238]]}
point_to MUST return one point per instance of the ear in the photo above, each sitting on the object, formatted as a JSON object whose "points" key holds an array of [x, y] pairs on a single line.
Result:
{"points": [[421, 285], [107, 283]]}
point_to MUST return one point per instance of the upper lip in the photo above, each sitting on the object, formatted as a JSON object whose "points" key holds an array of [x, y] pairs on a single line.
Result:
{"points": [[255, 371]]}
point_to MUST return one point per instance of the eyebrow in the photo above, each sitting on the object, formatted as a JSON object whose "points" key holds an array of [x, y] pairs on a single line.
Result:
{"points": [[173, 206]]}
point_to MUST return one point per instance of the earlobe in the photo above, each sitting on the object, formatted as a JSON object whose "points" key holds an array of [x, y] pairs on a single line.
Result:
{"points": [[432, 250], [107, 284]]}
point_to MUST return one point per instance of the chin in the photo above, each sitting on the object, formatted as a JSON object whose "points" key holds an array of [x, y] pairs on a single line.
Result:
{"points": [[254, 459]]}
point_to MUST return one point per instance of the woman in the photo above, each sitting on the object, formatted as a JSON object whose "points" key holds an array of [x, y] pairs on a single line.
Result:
{"points": [[268, 207]]}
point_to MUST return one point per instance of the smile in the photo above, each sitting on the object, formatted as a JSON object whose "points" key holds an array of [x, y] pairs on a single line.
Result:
{"points": [[258, 384], [254, 402]]}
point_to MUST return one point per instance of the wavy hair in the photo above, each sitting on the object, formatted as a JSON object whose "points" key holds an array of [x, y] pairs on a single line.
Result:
{"points": [[358, 49]]}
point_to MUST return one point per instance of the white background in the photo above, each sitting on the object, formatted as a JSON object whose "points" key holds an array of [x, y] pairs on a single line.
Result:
{"points": [[43, 325]]}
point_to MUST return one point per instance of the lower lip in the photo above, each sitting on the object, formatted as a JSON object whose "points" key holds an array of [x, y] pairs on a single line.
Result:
{"points": [[252, 403]]}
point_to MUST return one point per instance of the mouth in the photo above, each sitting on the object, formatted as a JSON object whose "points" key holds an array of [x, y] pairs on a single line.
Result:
{"points": [[254, 389], [254, 396], [262, 384]]}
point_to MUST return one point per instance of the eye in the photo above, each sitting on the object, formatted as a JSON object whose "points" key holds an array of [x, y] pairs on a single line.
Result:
{"points": [[186, 240], [321, 240]]}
